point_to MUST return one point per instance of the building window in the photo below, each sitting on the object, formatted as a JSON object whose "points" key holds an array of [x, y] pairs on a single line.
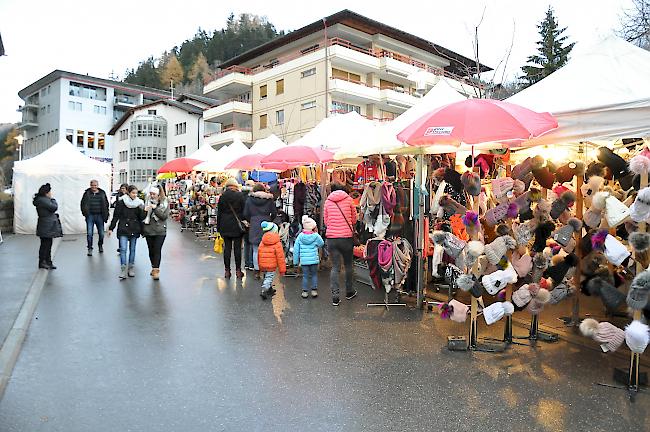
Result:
{"points": [[348, 76], [69, 133], [279, 117], [80, 138], [308, 72], [98, 109], [91, 140], [87, 91], [279, 87], [263, 121], [263, 91], [308, 105], [181, 128], [101, 141], [180, 151], [48, 89], [74, 106], [124, 134], [151, 112], [342, 107]]}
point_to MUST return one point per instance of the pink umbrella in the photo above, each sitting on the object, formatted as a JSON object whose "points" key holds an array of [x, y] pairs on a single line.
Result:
{"points": [[475, 121], [247, 162], [179, 165], [295, 156]]}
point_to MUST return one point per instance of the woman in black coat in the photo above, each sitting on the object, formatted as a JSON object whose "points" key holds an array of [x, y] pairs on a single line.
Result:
{"points": [[259, 207], [48, 226], [230, 217], [129, 212]]}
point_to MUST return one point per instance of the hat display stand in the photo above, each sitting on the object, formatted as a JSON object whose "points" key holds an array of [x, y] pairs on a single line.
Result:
{"points": [[574, 320]]}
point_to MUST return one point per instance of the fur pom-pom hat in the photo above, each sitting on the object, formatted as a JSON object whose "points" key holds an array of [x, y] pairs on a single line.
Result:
{"points": [[637, 336], [594, 215], [595, 168], [637, 296], [562, 204], [615, 211], [640, 164], [564, 234], [616, 164], [471, 222], [640, 243], [497, 249], [610, 296], [497, 214], [473, 250], [540, 298], [606, 334], [523, 264], [527, 166], [452, 206], [498, 280], [640, 208], [591, 187], [469, 283], [545, 176], [542, 233], [459, 311], [471, 183], [453, 245], [496, 311], [522, 296], [566, 172], [558, 272]]}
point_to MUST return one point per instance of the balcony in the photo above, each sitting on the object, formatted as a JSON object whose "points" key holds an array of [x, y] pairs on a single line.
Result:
{"points": [[28, 123], [228, 83], [228, 135], [354, 91], [397, 97], [121, 102], [225, 111]]}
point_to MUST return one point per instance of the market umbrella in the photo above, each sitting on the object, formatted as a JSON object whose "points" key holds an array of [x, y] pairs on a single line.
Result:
{"points": [[163, 176], [295, 156], [477, 121], [179, 165], [247, 162]]}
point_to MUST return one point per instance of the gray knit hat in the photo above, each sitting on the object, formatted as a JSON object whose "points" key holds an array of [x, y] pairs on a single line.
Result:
{"points": [[523, 234], [564, 234], [559, 293], [498, 248], [637, 296], [452, 244]]}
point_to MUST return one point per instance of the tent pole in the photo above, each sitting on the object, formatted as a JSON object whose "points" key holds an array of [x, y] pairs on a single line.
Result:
{"points": [[420, 231]]}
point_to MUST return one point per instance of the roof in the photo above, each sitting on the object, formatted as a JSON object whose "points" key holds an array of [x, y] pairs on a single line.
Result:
{"points": [[57, 74], [187, 107], [202, 99], [459, 63]]}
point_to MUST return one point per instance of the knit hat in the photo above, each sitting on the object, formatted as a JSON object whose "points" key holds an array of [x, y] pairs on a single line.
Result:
{"points": [[500, 213], [451, 205], [471, 182], [641, 245], [501, 187], [473, 250], [566, 172], [522, 234], [564, 234], [562, 204], [471, 222], [559, 271], [615, 211], [496, 311], [231, 182], [595, 168], [495, 282], [497, 249], [542, 233], [611, 297], [637, 296], [544, 177], [469, 283], [640, 208], [616, 164], [559, 293], [523, 264], [615, 251], [460, 310], [269, 227], [540, 298], [636, 336], [522, 296], [640, 163], [606, 334], [524, 168], [594, 215], [452, 244], [308, 224], [519, 187], [592, 186], [542, 212]]}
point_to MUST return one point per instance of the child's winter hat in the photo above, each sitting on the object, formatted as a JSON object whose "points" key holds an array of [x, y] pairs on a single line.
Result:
{"points": [[615, 211], [566, 172], [501, 187], [269, 226], [524, 168], [460, 310], [616, 164], [562, 204], [559, 271], [471, 183], [559, 293], [641, 245], [637, 336], [495, 282], [640, 208], [637, 296], [496, 311], [606, 334], [615, 251], [497, 249], [564, 234], [522, 296], [308, 224]]}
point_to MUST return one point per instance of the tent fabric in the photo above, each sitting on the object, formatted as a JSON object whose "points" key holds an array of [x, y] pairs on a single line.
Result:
{"points": [[267, 145], [69, 173], [206, 152], [602, 93], [223, 157]]}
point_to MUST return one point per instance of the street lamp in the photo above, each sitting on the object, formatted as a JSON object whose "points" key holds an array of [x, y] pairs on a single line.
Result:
{"points": [[20, 138]]}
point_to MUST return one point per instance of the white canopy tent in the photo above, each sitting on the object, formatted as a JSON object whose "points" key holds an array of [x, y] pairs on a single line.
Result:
{"points": [[223, 157], [602, 93], [206, 152], [69, 173], [267, 145]]}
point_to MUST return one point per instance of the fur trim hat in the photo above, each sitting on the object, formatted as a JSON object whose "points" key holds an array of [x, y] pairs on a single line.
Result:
{"points": [[471, 183], [559, 271], [566, 172], [559, 293], [501, 187], [459, 313], [522, 296], [542, 233], [637, 336], [496, 311], [562, 204], [640, 208], [540, 298], [497, 249], [452, 244], [615, 251], [606, 334], [615, 211], [452, 206], [308, 224], [564, 234], [641, 245], [495, 282], [527, 166], [616, 164], [523, 264], [637, 296], [469, 283]]}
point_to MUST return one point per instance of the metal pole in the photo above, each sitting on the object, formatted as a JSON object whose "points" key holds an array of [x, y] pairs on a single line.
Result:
{"points": [[420, 231]]}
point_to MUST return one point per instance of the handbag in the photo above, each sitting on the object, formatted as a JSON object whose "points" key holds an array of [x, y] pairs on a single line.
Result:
{"points": [[218, 244], [355, 236], [242, 225]]}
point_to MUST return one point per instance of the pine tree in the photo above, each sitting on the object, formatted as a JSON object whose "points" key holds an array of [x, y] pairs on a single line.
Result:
{"points": [[171, 71], [199, 69], [552, 53]]}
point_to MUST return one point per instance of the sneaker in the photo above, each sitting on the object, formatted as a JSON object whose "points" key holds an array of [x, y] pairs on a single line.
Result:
{"points": [[351, 296], [90, 252], [101, 249], [305, 294], [263, 295], [314, 293], [336, 301], [271, 292]]}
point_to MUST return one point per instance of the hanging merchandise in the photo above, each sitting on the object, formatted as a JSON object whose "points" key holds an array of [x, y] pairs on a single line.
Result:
{"points": [[615, 211], [385, 260], [640, 209], [458, 311], [496, 311], [498, 280], [606, 334], [637, 336], [640, 243], [471, 183], [637, 296]]}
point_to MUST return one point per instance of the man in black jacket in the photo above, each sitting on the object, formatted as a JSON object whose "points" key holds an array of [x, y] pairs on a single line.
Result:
{"points": [[94, 207]]}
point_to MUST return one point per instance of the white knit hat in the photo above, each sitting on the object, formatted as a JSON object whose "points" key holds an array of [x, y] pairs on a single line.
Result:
{"points": [[615, 211], [615, 251], [636, 336], [495, 282], [496, 311], [308, 224], [640, 209], [498, 248]]}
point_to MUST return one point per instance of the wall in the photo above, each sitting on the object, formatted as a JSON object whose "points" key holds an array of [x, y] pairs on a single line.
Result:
{"points": [[6, 216]]}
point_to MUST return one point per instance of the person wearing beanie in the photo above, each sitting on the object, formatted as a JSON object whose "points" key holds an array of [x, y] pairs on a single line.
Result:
{"points": [[637, 336], [459, 311], [640, 208], [471, 183], [606, 334], [522, 296], [496, 311], [154, 228], [306, 254], [616, 164], [498, 280], [259, 207], [526, 167], [562, 204], [497, 249], [590, 188], [48, 226], [565, 234], [501, 187], [641, 245], [637, 296], [270, 257], [558, 271]]}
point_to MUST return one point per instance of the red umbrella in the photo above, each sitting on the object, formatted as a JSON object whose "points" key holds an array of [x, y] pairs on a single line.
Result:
{"points": [[247, 162], [295, 156], [179, 165], [475, 121]]}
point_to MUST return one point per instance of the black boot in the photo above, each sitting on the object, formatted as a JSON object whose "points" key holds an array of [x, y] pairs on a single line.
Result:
{"points": [[101, 248], [51, 264], [42, 264]]}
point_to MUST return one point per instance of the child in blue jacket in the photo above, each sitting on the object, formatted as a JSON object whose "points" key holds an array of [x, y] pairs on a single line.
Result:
{"points": [[305, 253]]}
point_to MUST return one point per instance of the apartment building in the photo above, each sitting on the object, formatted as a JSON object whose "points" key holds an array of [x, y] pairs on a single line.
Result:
{"points": [[147, 136], [79, 108], [345, 62]]}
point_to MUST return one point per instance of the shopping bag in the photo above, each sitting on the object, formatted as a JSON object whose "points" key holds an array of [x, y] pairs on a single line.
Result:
{"points": [[218, 244]]}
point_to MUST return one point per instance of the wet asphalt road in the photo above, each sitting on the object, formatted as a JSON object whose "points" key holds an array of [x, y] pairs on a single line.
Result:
{"points": [[194, 352]]}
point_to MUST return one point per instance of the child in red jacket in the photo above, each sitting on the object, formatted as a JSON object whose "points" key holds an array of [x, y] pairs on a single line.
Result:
{"points": [[270, 256]]}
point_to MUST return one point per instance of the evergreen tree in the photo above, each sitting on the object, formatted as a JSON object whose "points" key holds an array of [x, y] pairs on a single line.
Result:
{"points": [[551, 55], [146, 75]]}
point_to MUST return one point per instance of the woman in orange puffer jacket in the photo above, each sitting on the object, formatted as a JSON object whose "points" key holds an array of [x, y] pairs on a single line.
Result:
{"points": [[270, 256]]}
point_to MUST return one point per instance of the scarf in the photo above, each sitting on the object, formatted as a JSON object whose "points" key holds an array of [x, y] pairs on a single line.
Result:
{"points": [[388, 198], [402, 255], [132, 203]]}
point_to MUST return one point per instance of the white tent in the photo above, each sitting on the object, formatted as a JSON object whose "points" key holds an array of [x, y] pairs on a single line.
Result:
{"points": [[69, 172], [267, 145], [223, 157], [206, 152], [602, 93]]}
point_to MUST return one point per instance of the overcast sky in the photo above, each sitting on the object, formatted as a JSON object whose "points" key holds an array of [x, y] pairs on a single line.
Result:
{"points": [[98, 38]]}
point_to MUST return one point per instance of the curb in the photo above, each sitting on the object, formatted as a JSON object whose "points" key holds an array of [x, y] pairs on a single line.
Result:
{"points": [[14, 341]]}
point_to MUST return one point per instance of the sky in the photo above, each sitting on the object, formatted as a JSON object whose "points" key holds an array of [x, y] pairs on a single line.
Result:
{"points": [[100, 38]]}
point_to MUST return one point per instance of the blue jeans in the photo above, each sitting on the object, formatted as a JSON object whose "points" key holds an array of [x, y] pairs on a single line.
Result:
{"points": [[268, 280], [256, 263], [92, 221], [309, 272], [128, 242]]}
